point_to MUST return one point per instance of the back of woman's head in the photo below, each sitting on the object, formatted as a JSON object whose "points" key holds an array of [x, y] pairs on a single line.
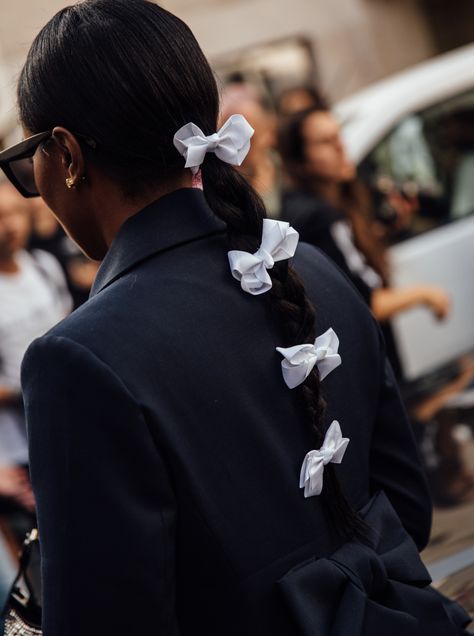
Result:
{"points": [[129, 74], [125, 73]]}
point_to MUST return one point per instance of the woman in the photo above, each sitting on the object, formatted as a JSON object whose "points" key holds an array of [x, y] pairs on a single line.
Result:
{"points": [[166, 448], [329, 209]]}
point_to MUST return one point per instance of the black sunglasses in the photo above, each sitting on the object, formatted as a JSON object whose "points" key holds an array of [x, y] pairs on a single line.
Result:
{"points": [[17, 162]]}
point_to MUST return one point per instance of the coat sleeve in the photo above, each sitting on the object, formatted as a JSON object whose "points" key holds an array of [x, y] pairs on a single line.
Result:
{"points": [[395, 463], [106, 509]]}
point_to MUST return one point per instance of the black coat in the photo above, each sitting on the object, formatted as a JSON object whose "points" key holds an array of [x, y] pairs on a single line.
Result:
{"points": [[315, 220], [166, 449]]}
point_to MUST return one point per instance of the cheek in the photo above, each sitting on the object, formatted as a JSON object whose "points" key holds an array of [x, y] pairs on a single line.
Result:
{"points": [[50, 183], [324, 160]]}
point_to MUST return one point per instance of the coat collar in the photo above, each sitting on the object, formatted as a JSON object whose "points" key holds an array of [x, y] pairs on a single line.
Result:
{"points": [[176, 218]]}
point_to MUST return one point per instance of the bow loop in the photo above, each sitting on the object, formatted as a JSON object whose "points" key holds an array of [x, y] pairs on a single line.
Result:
{"points": [[230, 143], [265, 257], [332, 450], [299, 360], [279, 242]]}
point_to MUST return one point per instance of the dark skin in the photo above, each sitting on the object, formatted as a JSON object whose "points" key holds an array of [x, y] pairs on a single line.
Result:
{"points": [[95, 208]]}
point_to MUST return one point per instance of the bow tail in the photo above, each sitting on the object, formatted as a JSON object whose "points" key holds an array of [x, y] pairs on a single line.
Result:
{"points": [[328, 364], [296, 374], [257, 281], [428, 606]]}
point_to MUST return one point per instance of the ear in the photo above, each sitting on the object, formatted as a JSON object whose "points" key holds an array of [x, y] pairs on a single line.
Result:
{"points": [[72, 157]]}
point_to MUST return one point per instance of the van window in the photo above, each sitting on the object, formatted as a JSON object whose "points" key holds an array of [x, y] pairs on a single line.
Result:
{"points": [[429, 158]]}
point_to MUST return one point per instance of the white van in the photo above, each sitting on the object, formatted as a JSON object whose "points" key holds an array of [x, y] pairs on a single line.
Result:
{"points": [[417, 128]]}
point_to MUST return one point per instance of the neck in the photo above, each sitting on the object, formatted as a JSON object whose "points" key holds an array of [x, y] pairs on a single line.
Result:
{"points": [[117, 211], [8, 265], [330, 191]]}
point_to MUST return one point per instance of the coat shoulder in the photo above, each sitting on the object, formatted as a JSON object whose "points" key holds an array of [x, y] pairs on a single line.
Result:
{"points": [[325, 281]]}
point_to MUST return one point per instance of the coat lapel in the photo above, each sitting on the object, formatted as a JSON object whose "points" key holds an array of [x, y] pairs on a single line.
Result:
{"points": [[177, 218]]}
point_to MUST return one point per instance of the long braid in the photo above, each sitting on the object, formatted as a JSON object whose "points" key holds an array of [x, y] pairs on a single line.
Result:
{"points": [[234, 201]]}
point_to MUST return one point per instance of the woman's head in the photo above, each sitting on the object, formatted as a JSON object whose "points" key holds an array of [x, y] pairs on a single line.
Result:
{"points": [[126, 74], [312, 149]]}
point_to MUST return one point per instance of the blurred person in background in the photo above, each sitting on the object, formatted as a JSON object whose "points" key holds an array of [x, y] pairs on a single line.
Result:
{"points": [[48, 235], [331, 210], [262, 165], [33, 297], [392, 209], [298, 98]]}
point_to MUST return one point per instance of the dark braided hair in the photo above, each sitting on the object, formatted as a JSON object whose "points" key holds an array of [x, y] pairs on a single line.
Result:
{"points": [[129, 74], [233, 199]]}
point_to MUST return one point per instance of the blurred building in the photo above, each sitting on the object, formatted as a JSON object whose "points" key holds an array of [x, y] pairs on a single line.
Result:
{"points": [[345, 44]]}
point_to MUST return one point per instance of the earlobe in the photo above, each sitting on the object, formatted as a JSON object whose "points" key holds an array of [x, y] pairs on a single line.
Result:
{"points": [[71, 158]]}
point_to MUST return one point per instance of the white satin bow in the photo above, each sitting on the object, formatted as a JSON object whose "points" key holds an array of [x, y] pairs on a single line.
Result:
{"points": [[279, 242], [299, 360], [332, 450], [230, 143]]}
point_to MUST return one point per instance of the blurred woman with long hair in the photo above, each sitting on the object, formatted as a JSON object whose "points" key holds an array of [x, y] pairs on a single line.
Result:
{"points": [[331, 210]]}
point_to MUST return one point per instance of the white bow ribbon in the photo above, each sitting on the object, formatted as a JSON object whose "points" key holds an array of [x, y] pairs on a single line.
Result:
{"points": [[332, 450], [299, 360], [279, 242], [230, 143]]}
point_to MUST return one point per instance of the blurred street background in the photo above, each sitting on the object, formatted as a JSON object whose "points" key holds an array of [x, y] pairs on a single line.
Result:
{"points": [[364, 139]]}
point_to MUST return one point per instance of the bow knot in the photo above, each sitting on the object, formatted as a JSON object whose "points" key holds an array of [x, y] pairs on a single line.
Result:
{"points": [[213, 141], [299, 360], [230, 143], [332, 450], [279, 242], [265, 257]]}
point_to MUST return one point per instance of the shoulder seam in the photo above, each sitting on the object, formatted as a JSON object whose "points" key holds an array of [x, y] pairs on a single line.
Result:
{"points": [[93, 355]]}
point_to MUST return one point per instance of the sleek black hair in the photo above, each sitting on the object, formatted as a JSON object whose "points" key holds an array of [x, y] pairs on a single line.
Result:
{"points": [[316, 98], [129, 74], [291, 144]]}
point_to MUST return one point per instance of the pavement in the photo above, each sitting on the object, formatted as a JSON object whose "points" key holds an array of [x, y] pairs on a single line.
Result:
{"points": [[450, 553]]}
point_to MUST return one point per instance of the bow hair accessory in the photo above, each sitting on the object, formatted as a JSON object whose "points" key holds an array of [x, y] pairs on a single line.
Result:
{"points": [[332, 450], [230, 143], [299, 360], [279, 241]]}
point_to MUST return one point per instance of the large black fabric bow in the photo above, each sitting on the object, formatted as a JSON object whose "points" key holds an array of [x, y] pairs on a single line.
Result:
{"points": [[379, 589]]}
